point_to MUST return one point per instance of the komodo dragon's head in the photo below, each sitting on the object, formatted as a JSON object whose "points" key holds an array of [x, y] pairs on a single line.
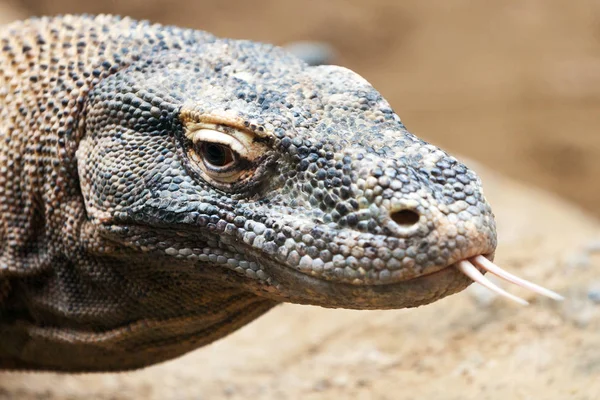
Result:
{"points": [[242, 161], [296, 183]]}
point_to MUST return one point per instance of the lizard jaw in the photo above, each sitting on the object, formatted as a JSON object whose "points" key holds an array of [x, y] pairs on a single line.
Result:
{"points": [[296, 287], [413, 292]]}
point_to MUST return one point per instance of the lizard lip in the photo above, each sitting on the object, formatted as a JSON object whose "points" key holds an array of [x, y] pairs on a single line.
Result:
{"points": [[471, 266], [424, 289], [413, 292]]}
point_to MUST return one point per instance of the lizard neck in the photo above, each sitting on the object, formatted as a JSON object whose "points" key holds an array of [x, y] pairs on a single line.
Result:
{"points": [[118, 333]]}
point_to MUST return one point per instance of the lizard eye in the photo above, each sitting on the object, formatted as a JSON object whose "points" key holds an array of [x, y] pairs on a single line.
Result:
{"points": [[216, 155], [224, 155]]}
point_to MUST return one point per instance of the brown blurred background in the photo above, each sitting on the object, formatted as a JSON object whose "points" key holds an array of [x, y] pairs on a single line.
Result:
{"points": [[513, 84]]}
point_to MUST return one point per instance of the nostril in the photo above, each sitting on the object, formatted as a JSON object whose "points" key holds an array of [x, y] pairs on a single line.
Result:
{"points": [[405, 218]]}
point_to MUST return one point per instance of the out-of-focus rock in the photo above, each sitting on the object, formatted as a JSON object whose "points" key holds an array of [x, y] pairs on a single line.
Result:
{"points": [[313, 53]]}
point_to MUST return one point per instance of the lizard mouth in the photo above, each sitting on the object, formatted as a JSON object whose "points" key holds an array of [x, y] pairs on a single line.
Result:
{"points": [[470, 267], [413, 292]]}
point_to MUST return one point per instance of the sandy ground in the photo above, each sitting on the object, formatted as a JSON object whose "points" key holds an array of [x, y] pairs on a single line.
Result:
{"points": [[512, 84], [468, 346]]}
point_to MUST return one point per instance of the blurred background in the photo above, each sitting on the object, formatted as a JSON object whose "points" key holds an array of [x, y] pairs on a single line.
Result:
{"points": [[512, 84]]}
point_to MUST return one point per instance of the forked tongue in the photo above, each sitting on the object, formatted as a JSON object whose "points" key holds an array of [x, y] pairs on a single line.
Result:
{"points": [[468, 268]]}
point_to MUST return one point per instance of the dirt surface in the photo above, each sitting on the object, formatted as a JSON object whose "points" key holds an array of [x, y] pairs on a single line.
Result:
{"points": [[468, 346], [512, 84]]}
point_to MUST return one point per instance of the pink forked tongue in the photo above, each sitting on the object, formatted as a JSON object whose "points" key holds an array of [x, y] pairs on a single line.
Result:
{"points": [[467, 268]]}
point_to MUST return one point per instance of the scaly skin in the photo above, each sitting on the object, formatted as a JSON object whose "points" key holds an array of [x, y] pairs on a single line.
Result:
{"points": [[121, 247]]}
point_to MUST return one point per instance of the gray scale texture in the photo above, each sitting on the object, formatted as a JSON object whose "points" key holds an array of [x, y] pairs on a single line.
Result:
{"points": [[116, 249]]}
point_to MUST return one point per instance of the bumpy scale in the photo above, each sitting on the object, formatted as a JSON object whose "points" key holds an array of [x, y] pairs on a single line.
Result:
{"points": [[161, 187]]}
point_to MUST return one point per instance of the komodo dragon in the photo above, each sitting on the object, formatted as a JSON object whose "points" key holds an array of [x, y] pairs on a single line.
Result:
{"points": [[161, 187]]}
